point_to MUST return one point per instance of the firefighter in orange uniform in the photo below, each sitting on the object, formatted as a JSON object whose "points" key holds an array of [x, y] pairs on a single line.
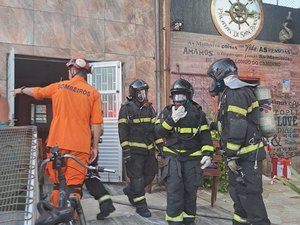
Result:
{"points": [[76, 108]]}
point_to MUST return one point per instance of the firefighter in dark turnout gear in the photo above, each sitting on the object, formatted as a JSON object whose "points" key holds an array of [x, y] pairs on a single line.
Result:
{"points": [[187, 149], [241, 139], [136, 134], [99, 192]]}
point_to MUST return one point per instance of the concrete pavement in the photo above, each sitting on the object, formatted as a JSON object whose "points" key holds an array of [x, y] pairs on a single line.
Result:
{"points": [[282, 205]]}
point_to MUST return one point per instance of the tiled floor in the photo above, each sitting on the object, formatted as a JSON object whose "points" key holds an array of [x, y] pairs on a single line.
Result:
{"points": [[282, 205]]}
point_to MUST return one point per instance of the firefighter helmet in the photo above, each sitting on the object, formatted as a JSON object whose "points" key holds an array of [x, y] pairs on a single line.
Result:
{"points": [[219, 70], [222, 68], [138, 89], [79, 63], [182, 91]]}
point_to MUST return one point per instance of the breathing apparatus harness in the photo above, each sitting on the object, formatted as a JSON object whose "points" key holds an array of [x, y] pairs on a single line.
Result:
{"points": [[177, 134], [254, 141]]}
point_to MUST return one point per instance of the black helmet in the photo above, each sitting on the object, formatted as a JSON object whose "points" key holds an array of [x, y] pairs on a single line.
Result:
{"points": [[219, 70], [136, 86], [182, 87], [222, 68]]}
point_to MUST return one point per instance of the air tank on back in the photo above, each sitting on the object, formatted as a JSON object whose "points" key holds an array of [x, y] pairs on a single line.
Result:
{"points": [[266, 113]]}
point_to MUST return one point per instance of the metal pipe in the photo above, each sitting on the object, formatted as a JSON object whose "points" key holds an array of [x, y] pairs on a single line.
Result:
{"points": [[157, 54]]}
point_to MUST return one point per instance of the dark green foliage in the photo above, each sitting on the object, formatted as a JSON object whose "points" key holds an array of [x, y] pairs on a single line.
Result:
{"points": [[223, 179]]}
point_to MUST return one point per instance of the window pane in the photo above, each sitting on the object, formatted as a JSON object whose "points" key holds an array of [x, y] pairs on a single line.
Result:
{"points": [[286, 3], [289, 3], [273, 2], [109, 105], [104, 78]]}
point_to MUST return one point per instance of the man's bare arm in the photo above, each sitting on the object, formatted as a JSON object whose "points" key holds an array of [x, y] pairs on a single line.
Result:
{"points": [[24, 90], [97, 130]]}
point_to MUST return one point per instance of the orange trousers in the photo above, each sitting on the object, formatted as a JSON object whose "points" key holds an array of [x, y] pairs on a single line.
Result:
{"points": [[74, 173]]}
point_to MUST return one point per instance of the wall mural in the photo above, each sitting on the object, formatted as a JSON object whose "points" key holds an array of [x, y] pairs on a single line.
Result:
{"points": [[275, 65], [286, 112]]}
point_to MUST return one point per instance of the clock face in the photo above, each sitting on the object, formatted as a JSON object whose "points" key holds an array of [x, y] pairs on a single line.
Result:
{"points": [[240, 21]]}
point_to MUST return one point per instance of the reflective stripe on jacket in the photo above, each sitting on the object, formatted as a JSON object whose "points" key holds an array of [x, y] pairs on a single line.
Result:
{"points": [[238, 121], [136, 127], [189, 138]]}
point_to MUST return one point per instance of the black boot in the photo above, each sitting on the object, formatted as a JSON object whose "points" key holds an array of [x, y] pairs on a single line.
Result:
{"points": [[175, 223], [189, 223], [127, 192], [106, 208], [143, 210]]}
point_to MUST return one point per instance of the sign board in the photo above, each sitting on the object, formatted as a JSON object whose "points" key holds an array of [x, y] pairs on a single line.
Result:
{"points": [[239, 21]]}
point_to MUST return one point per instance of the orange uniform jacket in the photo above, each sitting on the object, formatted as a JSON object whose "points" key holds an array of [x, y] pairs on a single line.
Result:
{"points": [[75, 105]]}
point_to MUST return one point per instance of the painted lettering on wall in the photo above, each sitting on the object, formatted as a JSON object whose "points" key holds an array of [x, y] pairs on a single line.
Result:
{"points": [[286, 114], [271, 63], [254, 54], [195, 51]]}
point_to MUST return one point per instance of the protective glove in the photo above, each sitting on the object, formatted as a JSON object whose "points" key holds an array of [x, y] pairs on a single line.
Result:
{"points": [[126, 155], [205, 161], [233, 166], [178, 114]]}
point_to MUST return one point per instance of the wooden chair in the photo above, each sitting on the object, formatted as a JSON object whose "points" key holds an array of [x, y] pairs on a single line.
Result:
{"points": [[158, 177], [40, 150], [214, 172]]}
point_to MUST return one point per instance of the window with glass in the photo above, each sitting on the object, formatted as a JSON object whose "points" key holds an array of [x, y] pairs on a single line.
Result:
{"points": [[286, 3], [105, 79]]}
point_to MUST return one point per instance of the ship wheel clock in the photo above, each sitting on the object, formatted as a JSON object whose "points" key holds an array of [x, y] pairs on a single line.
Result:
{"points": [[239, 21]]}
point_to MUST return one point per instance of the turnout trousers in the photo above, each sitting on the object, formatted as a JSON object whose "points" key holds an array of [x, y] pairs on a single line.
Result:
{"points": [[99, 192], [249, 207], [182, 179], [95, 186], [141, 171]]}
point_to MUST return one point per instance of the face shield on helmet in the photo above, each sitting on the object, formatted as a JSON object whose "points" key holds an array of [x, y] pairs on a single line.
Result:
{"points": [[179, 99], [141, 95], [181, 92], [219, 70], [216, 87], [138, 90]]}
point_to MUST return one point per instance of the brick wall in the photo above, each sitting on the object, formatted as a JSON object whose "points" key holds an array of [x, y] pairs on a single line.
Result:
{"points": [[275, 65]]}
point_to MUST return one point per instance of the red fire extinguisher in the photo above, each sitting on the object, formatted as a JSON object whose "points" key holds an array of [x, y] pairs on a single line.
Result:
{"points": [[280, 167], [274, 160], [284, 168], [287, 168]]}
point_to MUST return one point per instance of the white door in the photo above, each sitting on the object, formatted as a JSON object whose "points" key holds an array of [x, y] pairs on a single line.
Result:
{"points": [[107, 78], [11, 86]]}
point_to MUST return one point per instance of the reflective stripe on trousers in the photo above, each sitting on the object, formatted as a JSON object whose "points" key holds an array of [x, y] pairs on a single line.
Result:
{"points": [[182, 181]]}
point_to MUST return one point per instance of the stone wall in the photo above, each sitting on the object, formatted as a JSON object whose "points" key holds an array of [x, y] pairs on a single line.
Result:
{"points": [[101, 30]]}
